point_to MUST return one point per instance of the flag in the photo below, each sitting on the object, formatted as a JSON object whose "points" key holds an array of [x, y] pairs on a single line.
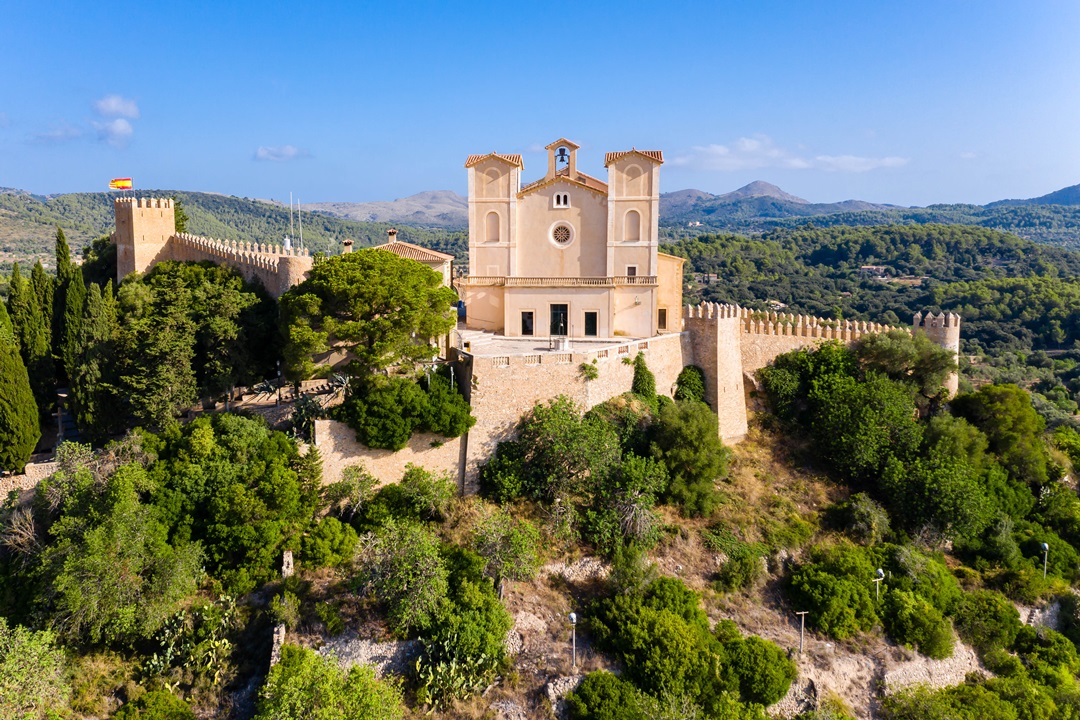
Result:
{"points": [[120, 184]]}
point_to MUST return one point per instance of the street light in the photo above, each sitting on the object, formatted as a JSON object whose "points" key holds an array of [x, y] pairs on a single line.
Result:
{"points": [[877, 583], [573, 637], [1046, 556]]}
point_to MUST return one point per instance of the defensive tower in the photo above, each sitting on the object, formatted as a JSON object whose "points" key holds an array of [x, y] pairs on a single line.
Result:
{"points": [[143, 229], [944, 330]]}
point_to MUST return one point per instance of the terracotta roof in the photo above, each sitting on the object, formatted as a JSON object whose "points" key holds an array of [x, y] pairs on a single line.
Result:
{"points": [[414, 252], [580, 179], [514, 160], [563, 141], [657, 156]]}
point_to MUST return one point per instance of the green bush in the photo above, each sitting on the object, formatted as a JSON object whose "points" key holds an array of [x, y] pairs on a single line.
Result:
{"points": [[428, 494], [330, 615], [690, 385], [644, 382], [834, 586], [156, 705], [330, 544], [305, 685], [33, 673], [285, 610], [912, 621], [867, 520], [502, 476], [922, 574], [447, 413], [987, 620], [764, 671], [738, 572], [685, 437], [510, 547], [404, 568], [384, 413], [603, 696]]}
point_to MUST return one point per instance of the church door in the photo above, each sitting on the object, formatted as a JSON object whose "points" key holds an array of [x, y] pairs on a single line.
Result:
{"points": [[559, 315]]}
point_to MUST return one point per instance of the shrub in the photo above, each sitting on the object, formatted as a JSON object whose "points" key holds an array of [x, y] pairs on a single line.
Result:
{"points": [[404, 568], [33, 676], [429, 494], [502, 476], [510, 547], [603, 696], [356, 488], [285, 610], [330, 615], [156, 705], [912, 621], [924, 575], [305, 685], [330, 544], [447, 413], [763, 670], [868, 521], [644, 382], [834, 587], [384, 414], [690, 385], [631, 571], [686, 439], [987, 620], [739, 572]]}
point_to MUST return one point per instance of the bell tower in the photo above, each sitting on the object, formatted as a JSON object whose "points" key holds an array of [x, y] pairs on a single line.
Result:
{"points": [[562, 158]]}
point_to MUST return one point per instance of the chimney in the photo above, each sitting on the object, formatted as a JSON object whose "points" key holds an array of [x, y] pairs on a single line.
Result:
{"points": [[347, 247], [391, 235]]}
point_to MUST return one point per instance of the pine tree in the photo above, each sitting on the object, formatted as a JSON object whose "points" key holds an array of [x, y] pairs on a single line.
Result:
{"points": [[75, 302], [32, 335], [65, 271], [19, 430], [98, 407]]}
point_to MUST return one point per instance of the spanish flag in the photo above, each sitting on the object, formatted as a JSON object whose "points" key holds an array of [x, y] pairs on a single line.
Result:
{"points": [[120, 184]]}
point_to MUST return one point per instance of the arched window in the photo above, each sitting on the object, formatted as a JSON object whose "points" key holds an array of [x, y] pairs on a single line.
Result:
{"points": [[632, 226], [562, 200], [491, 227]]}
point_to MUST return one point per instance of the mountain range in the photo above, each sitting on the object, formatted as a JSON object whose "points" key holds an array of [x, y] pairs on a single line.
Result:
{"points": [[438, 219]]}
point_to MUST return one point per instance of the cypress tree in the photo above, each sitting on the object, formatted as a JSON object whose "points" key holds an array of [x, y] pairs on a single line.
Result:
{"points": [[74, 305], [65, 271], [45, 290], [32, 335], [7, 331], [19, 430], [93, 380]]}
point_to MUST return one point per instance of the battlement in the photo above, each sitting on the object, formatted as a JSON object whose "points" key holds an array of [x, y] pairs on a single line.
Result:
{"points": [[239, 249], [147, 203], [941, 320], [783, 324], [278, 268]]}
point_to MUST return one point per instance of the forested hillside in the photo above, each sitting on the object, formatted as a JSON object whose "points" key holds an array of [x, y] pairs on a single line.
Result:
{"points": [[1052, 224], [28, 224], [1019, 300]]}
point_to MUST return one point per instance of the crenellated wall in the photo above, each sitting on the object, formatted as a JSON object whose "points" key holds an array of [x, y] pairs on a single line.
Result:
{"points": [[146, 235], [276, 267]]}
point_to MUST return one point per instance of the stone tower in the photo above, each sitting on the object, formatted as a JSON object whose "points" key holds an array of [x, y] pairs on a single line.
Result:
{"points": [[716, 336], [944, 330], [143, 229]]}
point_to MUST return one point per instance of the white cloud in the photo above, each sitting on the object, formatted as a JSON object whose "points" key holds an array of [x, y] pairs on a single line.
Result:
{"points": [[57, 134], [279, 153], [115, 106], [116, 132], [759, 151]]}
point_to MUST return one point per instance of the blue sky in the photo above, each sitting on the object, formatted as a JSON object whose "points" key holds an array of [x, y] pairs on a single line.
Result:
{"points": [[910, 103]]}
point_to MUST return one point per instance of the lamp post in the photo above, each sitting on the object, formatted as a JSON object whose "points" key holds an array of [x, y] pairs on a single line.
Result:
{"points": [[278, 383], [1046, 556], [877, 583], [573, 638], [802, 627]]}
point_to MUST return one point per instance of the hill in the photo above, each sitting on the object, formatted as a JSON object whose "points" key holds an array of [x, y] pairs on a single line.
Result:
{"points": [[761, 207], [28, 224], [436, 208]]}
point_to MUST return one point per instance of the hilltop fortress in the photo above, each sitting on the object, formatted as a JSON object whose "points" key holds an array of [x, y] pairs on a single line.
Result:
{"points": [[563, 271]]}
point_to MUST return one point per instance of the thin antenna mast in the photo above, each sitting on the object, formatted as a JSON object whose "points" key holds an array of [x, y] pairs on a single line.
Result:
{"points": [[300, 219]]}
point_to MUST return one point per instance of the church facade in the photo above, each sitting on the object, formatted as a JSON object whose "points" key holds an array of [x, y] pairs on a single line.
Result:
{"points": [[569, 255]]}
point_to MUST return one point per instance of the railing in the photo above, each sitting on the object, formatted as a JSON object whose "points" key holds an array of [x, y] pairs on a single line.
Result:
{"points": [[500, 281]]}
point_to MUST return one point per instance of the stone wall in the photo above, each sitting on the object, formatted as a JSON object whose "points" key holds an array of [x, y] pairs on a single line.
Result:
{"points": [[505, 388], [338, 446], [275, 267], [34, 473]]}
